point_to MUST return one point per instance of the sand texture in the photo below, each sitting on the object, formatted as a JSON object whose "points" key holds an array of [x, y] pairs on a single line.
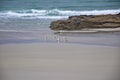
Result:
{"points": [[59, 62]]}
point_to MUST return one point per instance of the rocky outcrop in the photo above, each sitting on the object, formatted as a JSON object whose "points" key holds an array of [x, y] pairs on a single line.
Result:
{"points": [[84, 21]]}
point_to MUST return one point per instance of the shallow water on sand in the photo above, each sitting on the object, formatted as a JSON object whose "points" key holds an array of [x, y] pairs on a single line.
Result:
{"points": [[46, 36]]}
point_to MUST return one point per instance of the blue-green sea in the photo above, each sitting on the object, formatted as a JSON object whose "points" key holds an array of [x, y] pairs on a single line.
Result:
{"points": [[29, 20], [56, 8]]}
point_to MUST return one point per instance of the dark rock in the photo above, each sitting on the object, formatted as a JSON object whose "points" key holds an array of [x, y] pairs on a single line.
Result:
{"points": [[84, 21]]}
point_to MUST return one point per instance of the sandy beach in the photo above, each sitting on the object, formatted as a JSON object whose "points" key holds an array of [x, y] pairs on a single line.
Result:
{"points": [[52, 61], [59, 39]]}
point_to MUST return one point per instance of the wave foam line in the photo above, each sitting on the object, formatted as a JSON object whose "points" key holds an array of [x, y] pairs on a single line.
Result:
{"points": [[54, 13]]}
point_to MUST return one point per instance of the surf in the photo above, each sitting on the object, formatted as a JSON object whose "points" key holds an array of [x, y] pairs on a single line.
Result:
{"points": [[53, 13]]}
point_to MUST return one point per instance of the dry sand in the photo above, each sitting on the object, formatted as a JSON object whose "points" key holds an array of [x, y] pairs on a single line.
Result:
{"points": [[59, 62]]}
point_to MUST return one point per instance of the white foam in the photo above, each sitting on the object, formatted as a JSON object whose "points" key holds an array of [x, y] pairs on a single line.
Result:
{"points": [[53, 14]]}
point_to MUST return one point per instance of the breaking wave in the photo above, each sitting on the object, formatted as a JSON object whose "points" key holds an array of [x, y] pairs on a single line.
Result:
{"points": [[52, 14]]}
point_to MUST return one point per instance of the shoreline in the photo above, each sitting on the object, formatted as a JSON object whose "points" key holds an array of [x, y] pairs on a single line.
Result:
{"points": [[60, 43], [64, 37]]}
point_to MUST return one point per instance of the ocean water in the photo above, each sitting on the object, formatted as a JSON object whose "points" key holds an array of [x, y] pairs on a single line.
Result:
{"points": [[53, 9], [29, 20]]}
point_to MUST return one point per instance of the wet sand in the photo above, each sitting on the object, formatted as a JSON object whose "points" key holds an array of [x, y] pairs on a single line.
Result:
{"points": [[52, 61]]}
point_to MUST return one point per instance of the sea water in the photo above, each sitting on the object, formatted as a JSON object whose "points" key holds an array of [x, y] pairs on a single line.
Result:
{"points": [[29, 20]]}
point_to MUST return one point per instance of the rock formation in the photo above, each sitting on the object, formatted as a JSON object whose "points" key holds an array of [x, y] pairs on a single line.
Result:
{"points": [[87, 21]]}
